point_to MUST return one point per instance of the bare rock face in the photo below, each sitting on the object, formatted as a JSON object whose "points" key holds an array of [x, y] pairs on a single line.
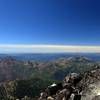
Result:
{"points": [[96, 97], [76, 87], [90, 85]]}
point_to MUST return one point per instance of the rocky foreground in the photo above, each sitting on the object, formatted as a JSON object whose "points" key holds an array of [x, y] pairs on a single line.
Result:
{"points": [[75, 87]]}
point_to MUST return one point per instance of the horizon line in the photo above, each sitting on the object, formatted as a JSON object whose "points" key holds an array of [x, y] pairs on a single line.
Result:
{"points": [[42, 48]]}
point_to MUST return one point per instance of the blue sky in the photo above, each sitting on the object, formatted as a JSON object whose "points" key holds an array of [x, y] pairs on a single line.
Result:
{"points": [[54, 22], [75, 22]]}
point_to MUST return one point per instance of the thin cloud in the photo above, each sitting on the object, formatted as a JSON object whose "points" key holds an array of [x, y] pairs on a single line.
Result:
{"points": [[48, 48]]}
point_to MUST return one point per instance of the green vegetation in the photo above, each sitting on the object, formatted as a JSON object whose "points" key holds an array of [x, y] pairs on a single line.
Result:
{"points": [[19, 89], [28, 78]]}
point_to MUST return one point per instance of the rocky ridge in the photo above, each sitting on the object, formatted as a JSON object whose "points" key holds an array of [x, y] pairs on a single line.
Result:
{"points": [[75, 87]]}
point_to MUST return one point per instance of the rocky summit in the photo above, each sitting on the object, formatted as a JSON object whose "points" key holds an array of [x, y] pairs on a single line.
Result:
{"points": [[75, 86]]}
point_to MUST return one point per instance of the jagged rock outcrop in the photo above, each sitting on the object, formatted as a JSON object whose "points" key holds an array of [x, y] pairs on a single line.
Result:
{"points": [[90, 85], [75, 87]]}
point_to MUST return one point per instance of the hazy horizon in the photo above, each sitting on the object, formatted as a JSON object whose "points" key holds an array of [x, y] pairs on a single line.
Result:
{"points": [[48, 49]]}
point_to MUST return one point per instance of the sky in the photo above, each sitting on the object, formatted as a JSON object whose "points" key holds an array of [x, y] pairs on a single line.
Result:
{"points": [[49, 22]]}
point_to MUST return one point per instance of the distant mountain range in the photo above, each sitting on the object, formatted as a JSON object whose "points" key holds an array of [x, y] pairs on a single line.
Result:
{"points": [[35, 74], [12, 68], [51, 56]]}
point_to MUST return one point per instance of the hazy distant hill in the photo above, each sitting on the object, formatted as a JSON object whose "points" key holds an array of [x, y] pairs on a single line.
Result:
{"points": [[18, 76], [52, 56], [12, 68]]}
